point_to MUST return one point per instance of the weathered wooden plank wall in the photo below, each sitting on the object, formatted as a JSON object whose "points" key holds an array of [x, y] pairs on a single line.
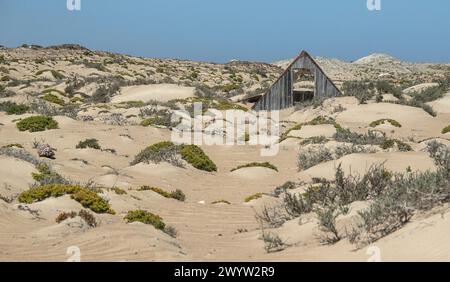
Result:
{"points": [[280, 95]]}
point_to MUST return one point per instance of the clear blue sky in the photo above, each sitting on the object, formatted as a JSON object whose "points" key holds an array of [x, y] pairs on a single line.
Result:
{"points": [[221, 30]]}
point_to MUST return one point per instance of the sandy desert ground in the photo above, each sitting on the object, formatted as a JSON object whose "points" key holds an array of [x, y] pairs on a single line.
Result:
{"points": [[123, 102]]}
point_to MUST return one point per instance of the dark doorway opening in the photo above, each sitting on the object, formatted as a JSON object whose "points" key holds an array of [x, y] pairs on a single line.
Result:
{"points": [[303, 85]]}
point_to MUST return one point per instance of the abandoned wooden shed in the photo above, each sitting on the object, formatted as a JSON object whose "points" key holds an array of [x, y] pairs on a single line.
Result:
{"points": [[302, 80]]}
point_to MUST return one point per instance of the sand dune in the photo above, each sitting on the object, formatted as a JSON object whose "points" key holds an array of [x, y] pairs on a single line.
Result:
{"points": [[158, 92]]}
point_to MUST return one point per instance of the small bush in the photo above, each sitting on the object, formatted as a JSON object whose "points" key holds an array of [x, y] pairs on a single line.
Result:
{"points": [[89, 143], [288, 185], [361, 90], [402, 146], [221, 202], [171, 231], [177, 194], [46, 176], [312, 157], [85, 215], [12, 108], [92, 200], [104, 93], [19, 153], [446, 130], [347, 136], [382, 121], [159, 152], [314, 140], [119, 191], [255, 164], [37, 123], [327, 223], [195, 156], [271, 217], [145, 217], [296, 204], [65, 215], [45, 151], [88, 217], [85, 197], [16, 145], [272, 242], [253, 197], [53, 99]]}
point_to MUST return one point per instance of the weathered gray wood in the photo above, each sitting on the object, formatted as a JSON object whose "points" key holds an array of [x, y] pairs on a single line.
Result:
{"points": [[280, 94]]}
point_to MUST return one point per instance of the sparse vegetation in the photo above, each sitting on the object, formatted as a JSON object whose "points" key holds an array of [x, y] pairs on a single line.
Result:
{"points": [[87, 198], [314, 156], [145, 217], [119, 191], [12, 108], [88, 217], [53, 99], [253, 197], [37, 123], [177, 194], [382, 121], [272, 242], [221, 202], [195, 156], [446, 130], [256, 164], [89, 143], [159, 152]]}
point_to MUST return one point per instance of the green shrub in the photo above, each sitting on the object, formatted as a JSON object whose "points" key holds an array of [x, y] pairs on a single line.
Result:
{"points": [[37, 123], [361, 90], [85, 197], [253, 197], [159, 152], [312, 157], [177, 194], [12, 108], [46, 176], [167, 151], [382, 121], [145, 217], [347, 136], [384, 87], [195, 156], [390, 143], [255, 164], [17, 145], [89, 143], [91, 200], [228, 87], [446, 130], [50, 90], [221, 202], [119, 191], [53, 99], [55, 74]]}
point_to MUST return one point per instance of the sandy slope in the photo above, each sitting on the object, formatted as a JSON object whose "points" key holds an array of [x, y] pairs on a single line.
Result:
{"points": [[160, 92]]}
